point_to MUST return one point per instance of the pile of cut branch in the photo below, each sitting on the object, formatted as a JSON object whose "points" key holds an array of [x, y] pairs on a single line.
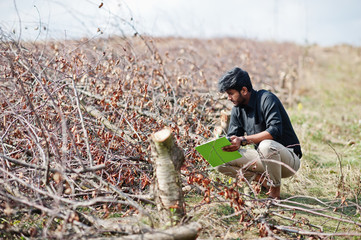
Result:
{"points": [[76, 124]]}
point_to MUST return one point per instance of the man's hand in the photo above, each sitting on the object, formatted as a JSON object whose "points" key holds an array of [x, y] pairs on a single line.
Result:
{"points": [[236, 143]]}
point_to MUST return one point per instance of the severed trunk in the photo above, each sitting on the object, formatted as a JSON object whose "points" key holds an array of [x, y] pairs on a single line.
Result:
{"points": [[168, 159]]}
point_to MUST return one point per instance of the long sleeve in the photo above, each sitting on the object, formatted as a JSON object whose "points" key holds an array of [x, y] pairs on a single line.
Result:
{"points": [[235, 125], [273, 118]]}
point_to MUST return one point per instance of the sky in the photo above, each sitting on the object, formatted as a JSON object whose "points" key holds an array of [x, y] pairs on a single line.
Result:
{"points": [[323, 22]]}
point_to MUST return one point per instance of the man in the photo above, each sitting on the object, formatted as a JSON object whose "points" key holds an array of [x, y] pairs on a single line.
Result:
{"points": [[259, 118]]}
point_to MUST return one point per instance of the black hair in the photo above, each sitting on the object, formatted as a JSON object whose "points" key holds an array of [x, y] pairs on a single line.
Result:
{"points": [[235, 79]]}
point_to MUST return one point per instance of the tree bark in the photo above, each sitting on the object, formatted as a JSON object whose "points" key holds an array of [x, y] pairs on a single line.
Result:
{"points": [[168, 159]]}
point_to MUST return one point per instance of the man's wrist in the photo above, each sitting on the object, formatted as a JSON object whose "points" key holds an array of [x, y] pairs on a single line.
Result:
{"points": [[243, 141]]}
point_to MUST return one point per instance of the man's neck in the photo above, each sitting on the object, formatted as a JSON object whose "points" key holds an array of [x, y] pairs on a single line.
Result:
{"points": [[248, 97]]}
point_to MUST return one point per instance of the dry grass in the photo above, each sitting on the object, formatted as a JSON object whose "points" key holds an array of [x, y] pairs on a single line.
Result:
{"points": [[327, 119]]}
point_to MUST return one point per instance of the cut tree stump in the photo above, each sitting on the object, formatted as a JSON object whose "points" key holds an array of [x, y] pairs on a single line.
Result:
{"points": [[167, 160]]}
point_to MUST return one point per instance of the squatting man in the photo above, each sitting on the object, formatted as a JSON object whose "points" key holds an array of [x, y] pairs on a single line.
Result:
{"points": [[259, 118]]}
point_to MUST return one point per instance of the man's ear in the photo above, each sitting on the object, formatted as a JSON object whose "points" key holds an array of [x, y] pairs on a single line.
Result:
{"points": [[244, 91]]}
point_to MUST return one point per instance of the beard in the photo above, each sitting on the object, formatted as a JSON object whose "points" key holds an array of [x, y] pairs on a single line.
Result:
{"points": [[240, 102]]}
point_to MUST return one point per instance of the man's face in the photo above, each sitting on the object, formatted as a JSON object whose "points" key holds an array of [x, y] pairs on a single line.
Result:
{"points": [[235, 97]]}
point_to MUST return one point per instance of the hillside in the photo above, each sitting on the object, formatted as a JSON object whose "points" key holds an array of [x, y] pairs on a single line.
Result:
{"points": [[77, 117]]}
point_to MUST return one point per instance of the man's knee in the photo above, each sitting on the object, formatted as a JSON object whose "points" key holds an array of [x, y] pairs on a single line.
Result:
{"points": [[266, 148]]}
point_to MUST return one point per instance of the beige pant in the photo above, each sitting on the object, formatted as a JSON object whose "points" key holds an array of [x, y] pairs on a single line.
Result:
{"points": [[271, 158]]}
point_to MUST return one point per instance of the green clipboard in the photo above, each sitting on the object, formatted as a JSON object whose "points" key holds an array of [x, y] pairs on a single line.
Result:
{"points": [[213, 153]]}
